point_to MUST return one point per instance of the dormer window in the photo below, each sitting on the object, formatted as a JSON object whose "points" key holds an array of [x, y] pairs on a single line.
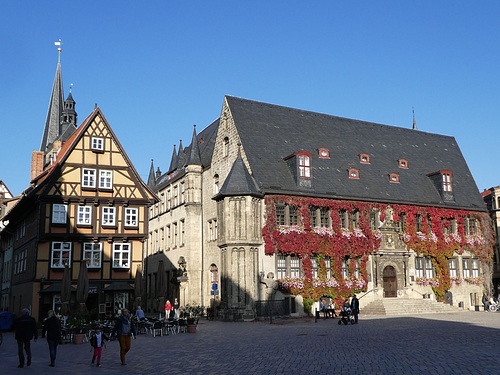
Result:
{"points": [[447, 180], [364, 158], [324, 153], [403, 163], [304, 166], [354, 173], [394, 177]]}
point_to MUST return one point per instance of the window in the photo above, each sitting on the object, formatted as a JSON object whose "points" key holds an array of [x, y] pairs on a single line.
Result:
{"points": [[169, 238], [97, 144], [470, 226], [403, 163], [105, 179], [314, 262], [212, 229], [174, 228], [176, 195], [424, 268], [345, 268], [61, 254], [131, 217], [59, 213], [373, 220], [447, 181], [328, 266], [475, 267], [108, 216], [216, 184], [344, 219], [92, 253], [226, 146], [452, 266], [213, 273], [467, 267], [281, 266], [314, 218], [394, 177], [324, 215], [183, 195], [324, 153], [304, 166], [353, 173], [364, 158], [294, 266], [88, 178], [418, 223], [162, 202], [357, 270], [84, 215], [181, 230], [20, 262], [293, 215], [355, 219], [280, 214], [121, 255], [169, 199]]}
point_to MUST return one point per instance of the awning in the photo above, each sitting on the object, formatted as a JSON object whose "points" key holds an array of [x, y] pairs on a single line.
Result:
{"points": [[119, 286], [54, 288]]}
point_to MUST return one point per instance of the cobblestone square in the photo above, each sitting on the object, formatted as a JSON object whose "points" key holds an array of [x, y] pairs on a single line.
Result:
{"points": [[455, 343]]}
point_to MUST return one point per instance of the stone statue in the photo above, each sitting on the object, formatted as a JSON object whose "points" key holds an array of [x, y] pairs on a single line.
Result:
{"points": [[271, 284]]}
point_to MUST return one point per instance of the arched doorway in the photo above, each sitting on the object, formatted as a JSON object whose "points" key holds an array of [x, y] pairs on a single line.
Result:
{"points": [[390, 282]]}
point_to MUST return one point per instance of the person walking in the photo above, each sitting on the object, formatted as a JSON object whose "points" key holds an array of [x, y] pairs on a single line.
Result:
{"points": [[52, 329], [123, 330], [485, 302], [97, 341], [176, 309], [168, 309], [25, 327], [355, 308]]}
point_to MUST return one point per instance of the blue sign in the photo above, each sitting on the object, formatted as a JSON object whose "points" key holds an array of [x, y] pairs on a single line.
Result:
{"points": [[214, 286]]}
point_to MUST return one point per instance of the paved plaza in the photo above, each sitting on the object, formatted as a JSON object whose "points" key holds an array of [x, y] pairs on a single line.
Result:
{"points": [[452, 343]]}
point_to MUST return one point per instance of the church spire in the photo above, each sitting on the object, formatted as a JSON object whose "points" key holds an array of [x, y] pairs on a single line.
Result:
{"points": [[52, 123], [151, 177], [414, 121], [194, 157]]}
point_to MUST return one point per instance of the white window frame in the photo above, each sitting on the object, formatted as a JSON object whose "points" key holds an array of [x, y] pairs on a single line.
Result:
{"points": [[84, 215], [97, 144], [131, 217], [452, 267], [304, 166], [183, 192], [108, 216], [121, 255], [93, 249], [89, 177], [59, 249], [59, 213], [105, 179]]}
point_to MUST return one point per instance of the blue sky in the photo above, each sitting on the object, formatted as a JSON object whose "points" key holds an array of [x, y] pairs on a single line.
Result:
{"points": [[156, 68]]}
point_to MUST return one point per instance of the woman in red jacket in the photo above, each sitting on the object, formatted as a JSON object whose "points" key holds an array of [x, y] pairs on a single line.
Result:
{"points": [[168, 309]]}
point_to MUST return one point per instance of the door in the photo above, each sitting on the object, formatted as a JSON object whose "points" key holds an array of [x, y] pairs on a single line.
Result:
{"points": [[390, 282]]}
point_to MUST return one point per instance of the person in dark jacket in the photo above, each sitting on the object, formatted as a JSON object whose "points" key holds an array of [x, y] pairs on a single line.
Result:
{"points": [[355, 308], [52, 328], [123, 330], [26, 330]]}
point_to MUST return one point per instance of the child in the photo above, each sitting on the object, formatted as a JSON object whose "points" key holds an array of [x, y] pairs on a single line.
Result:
{"points": [[97, 340]]}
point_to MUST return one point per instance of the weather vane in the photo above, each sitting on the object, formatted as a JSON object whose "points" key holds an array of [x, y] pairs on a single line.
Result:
{"points": [[59, 43]]}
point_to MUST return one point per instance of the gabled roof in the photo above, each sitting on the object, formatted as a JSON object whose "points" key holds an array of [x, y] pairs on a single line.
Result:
{"points": [[269, 133]]}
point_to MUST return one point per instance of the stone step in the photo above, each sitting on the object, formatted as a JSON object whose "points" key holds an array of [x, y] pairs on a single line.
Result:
{"points": [[406, 306]]}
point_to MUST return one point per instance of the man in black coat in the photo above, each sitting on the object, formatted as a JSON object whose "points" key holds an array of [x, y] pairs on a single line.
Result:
{"points": [[355, 308], [52, 329], [25, 327]]}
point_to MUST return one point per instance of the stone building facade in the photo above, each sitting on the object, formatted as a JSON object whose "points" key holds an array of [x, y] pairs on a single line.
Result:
{"points": [[271, 208]]}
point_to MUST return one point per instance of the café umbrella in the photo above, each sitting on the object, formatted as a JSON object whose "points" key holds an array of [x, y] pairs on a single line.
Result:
{"points": [[161, 285], [82, 286], [138, 286], [66, 290]]}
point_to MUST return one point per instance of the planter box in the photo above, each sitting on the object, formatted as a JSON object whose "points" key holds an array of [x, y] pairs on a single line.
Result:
{"points": [[78, 338], [191, 328]]}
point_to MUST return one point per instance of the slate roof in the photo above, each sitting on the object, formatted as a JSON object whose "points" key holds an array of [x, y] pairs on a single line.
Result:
{"points": [[239, 182], [269, 133], [51, 130]]}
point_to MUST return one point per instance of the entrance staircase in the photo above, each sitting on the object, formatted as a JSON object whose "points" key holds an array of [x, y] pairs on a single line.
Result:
{"points": [[406, 306]]}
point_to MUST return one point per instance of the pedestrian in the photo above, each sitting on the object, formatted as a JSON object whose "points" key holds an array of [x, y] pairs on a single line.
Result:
{"points": [[97, 341], [355, 308], [168, 309], [52, 329], [123, 330], [176, 309], [26, 330], [139, 313], [485, 301]]}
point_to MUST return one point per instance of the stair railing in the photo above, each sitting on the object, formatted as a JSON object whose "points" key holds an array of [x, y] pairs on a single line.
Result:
{"points": [[371, 290]]}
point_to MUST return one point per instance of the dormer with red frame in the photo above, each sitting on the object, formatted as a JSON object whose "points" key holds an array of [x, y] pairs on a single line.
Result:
{"points": [[394, 178], [354, 173], [300, 164], [443, 183], [403, 163], [364, 158], [323, 153]]}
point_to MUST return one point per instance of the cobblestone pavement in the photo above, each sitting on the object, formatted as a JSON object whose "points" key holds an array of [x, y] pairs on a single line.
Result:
{"points": [[451, 343]]}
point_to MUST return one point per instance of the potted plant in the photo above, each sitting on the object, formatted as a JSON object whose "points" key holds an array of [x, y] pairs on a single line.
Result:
{"points": [[192, 314], [78, 326]]}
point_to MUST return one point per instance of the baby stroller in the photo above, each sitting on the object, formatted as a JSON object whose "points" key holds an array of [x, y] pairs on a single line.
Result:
{"points": [[346, 316]]}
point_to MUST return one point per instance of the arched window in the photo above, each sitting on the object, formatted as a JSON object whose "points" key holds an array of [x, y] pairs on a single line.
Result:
{"points": [[213, 274], [226, 146], [216, 184]]}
